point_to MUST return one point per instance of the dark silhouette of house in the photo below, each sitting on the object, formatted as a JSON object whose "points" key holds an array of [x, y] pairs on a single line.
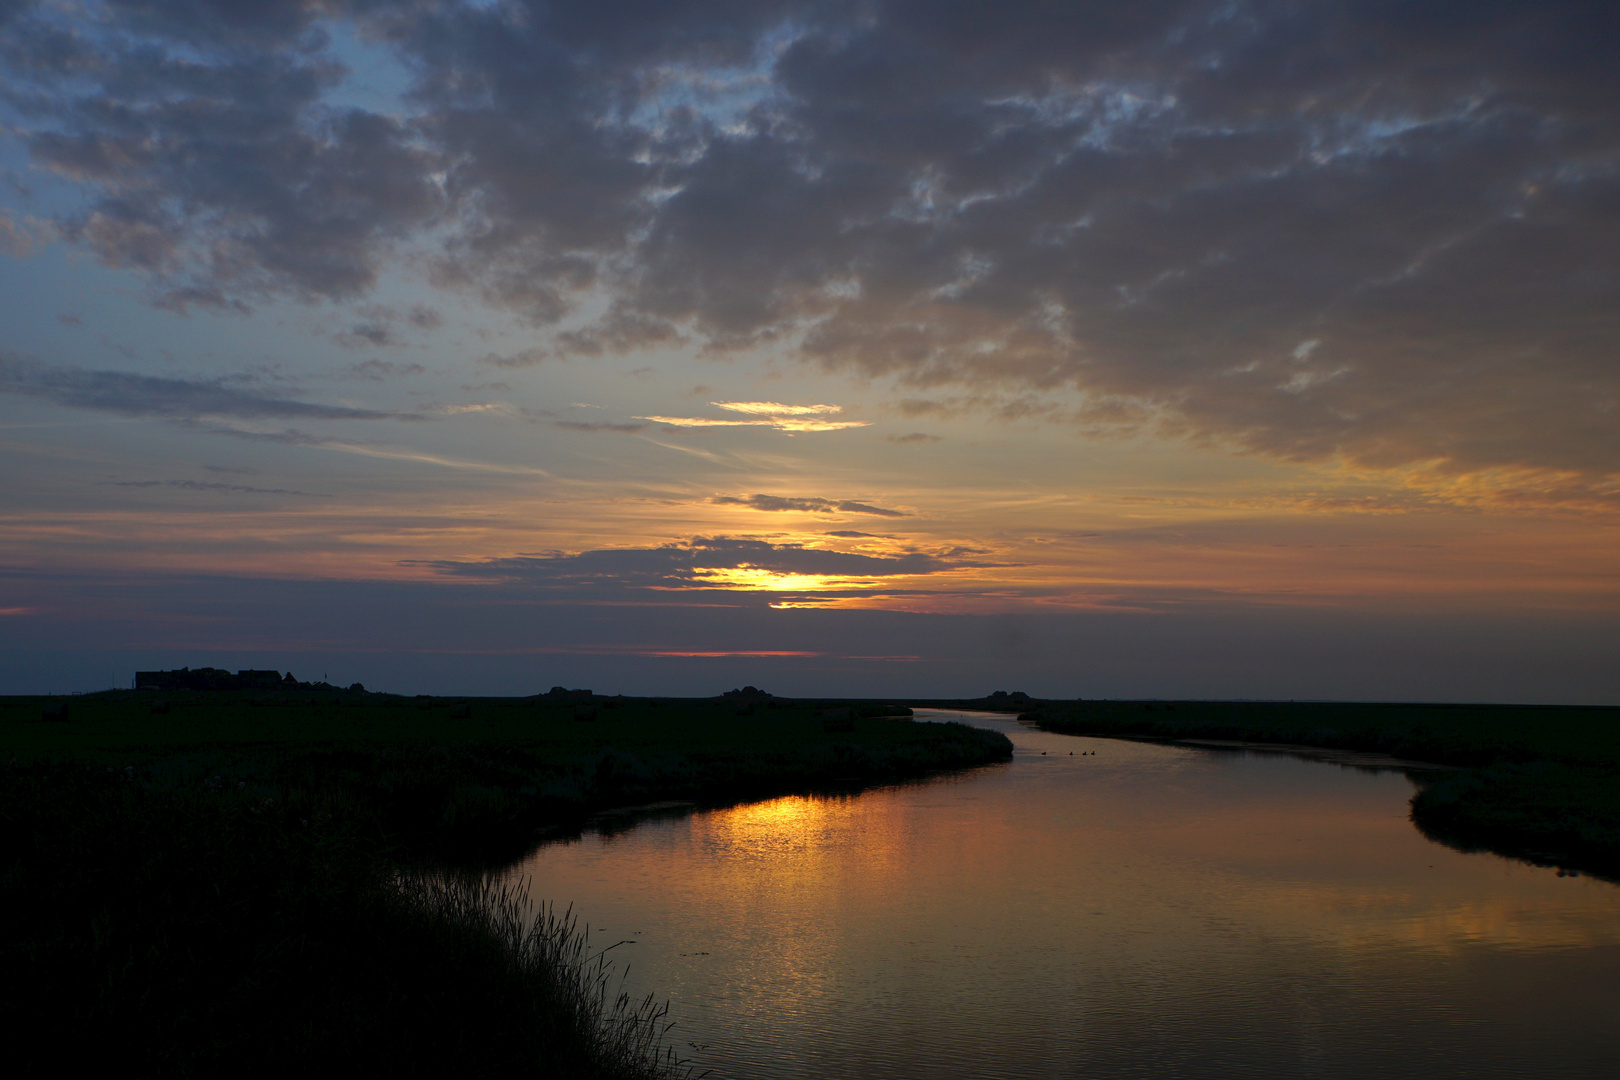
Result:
{"points": [[208, 678]]}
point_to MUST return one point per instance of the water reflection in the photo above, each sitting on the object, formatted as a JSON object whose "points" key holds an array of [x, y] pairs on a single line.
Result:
{"points": [[1147, 911]]}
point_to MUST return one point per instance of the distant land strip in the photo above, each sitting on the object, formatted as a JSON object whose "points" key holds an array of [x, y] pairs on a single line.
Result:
{"points": [[1536, 783]]}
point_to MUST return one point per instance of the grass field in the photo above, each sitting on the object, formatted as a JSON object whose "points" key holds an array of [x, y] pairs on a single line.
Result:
{"points": [[218, 881], [1535, 783], [476, 783]]}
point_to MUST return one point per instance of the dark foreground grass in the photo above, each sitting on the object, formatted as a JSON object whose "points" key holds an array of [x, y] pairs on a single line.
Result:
{"points": [[228, 886], [173, 934], [1535, 783]]}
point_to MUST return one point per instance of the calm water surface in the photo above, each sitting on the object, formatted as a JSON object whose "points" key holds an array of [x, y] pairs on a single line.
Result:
{"points": [[1146, 911]]}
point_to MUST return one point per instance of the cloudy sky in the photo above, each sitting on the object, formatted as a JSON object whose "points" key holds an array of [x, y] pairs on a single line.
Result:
{"points": [[1175, 348]]}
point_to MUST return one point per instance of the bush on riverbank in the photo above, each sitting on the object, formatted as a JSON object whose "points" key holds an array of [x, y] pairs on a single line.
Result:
{"points": [[1534, 783]]}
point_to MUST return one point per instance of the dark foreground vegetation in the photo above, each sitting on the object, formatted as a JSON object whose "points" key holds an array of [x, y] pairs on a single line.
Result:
{"points": [[213, 881], [1535, 783]]}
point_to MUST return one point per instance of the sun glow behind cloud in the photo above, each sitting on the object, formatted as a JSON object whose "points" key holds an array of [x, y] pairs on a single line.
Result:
{"points": [[1110, 379], [755, 579]]}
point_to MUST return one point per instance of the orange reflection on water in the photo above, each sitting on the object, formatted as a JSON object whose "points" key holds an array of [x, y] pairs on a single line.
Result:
{"points": [[1076, 909], [790, 815]]}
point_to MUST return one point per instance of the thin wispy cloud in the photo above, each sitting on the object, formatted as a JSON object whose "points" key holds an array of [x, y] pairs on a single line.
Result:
{"points": [[767, 414], [130, 394], [781, 503], [211, 486], [593, 426], [773, 409]]}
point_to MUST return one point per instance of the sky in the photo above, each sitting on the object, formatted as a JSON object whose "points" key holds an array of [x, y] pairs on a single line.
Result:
{"points": [[1236, 349]]}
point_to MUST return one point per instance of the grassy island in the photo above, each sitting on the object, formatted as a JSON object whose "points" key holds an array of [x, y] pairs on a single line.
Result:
{"points": [[1535, 783], [260, 881]]}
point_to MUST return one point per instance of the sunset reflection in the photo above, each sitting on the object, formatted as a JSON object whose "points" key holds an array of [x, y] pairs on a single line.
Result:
{"points": [[1080, 907], [773, 820]]}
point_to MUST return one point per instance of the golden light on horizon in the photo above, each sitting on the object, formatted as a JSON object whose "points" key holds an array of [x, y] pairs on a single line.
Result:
{"points": [[757, 579]]}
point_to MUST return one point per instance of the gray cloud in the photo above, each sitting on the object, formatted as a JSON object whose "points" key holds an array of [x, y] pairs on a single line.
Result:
{"points": [[213, 162], [174, 399], [379, 328], [377, 370], [1389, 231], [369, 335], [803, 505], [683, 565], [583, 425], [20, 241], [204, 485]]}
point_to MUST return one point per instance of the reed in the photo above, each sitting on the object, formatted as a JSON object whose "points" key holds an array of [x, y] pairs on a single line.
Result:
{"points": [[202, 933], [578, 995]]}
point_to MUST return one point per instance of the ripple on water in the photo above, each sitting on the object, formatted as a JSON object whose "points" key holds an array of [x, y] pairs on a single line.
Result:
{"points": [[1147, 911]]}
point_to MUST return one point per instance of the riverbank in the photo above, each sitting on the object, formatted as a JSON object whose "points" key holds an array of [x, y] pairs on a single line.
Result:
{"points": [[207, 879], [1540, 784]]}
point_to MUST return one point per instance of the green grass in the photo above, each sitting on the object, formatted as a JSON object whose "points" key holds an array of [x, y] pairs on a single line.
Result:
{"points": [[267, 884], [1535, 783]]}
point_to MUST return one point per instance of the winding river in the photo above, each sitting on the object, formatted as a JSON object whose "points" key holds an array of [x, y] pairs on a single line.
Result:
{"points": [[1098, 909]]}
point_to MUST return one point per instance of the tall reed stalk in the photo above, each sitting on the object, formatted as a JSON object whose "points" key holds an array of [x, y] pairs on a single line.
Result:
{"points": [[578, 996]]}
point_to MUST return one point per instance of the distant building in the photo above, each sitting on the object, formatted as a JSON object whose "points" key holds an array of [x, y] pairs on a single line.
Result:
{"points": [[208, 678]]}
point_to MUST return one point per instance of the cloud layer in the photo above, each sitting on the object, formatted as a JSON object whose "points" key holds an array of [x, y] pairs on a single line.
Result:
{"points": [[1389, 231], [806, 505], [171, 399], [704, 563]]}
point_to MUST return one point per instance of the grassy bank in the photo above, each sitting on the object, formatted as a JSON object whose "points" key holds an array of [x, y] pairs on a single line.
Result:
{"points": [[1535, 783], [177, 934], [217, 881], [476, 783]]}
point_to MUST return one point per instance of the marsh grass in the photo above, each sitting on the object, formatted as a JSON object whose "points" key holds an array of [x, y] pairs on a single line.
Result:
{"points": [[479, 790], [576, 992], [164, 933], [267, 885]]}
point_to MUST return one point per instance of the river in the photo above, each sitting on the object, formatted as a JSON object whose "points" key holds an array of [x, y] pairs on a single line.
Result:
{"points": [[1099, 908]]}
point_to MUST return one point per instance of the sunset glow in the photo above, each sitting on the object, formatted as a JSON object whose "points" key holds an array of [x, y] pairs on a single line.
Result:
{"points": [[1097, 342]]}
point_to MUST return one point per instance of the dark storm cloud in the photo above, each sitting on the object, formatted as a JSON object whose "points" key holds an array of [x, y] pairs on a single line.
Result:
{"points": [[685, 565], [173, 399], [1378, 229]]}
